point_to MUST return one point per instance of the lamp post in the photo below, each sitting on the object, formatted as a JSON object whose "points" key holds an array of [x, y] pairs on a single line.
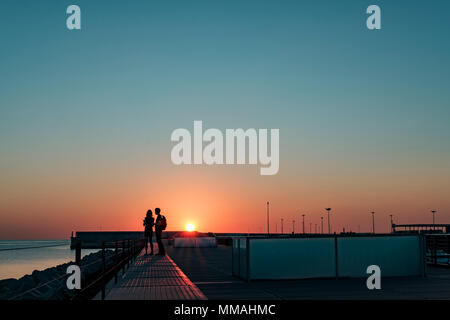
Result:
{"points": [[293, 226], [392, 223], [303, 222], [321, 225], [433, 212], [268, 231], [282, 231], [328, 210], [373, 222]]}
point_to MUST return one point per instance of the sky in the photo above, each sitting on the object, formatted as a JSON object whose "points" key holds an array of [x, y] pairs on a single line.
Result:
{"points": [[86, 115]]}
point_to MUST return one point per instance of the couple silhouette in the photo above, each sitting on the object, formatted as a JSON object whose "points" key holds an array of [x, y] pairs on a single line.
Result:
{"points": [[160, 224]]}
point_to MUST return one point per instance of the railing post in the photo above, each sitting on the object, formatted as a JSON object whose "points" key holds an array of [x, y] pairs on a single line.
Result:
{"points": [[423, 253], [117, 259], [78, 253], [435, 250], [103, 269], [131, 251], [123, 256], [126, 253], [78, 258], [336, 259], [448, 249]]}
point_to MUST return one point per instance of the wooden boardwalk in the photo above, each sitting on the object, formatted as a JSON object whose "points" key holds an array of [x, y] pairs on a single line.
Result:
{"points": [[154, 278]]}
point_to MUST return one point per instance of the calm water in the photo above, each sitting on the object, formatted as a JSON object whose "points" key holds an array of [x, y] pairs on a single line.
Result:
{"points": [[17, 263]]}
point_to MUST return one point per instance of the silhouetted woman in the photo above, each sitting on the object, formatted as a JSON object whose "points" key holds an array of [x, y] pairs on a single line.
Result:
{"points": [[149, 222]]}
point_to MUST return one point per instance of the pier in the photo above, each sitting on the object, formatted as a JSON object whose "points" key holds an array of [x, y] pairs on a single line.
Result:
{"points": [[206, 273], [187, 273]]}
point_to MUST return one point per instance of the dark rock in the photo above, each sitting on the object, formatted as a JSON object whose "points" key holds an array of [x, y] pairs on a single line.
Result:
{"points": [[50, 284]]}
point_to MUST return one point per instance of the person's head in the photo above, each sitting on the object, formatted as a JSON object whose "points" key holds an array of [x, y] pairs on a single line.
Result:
{"points": [[158, 211], [149, 213]]}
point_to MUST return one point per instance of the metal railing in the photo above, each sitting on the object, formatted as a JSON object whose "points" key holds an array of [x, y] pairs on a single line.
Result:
{"points": [[421, 228], [95, 275], [115, 257], [438, 249]]}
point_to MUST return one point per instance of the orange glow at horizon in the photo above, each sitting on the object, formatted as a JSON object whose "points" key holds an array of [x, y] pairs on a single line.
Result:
{"points": [[218, 199], [190, 227]]}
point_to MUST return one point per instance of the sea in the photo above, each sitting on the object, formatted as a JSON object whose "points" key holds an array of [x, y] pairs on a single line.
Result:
{"points": [[21, 257]]}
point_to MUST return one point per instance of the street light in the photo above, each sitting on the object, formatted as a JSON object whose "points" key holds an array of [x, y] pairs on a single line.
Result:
{"points": [[373, 222], [433, 212], [392, 223], [328, 210], [321, 225]]}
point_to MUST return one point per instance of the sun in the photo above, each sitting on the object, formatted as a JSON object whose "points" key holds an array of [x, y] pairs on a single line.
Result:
{"points": [[190, 227]]}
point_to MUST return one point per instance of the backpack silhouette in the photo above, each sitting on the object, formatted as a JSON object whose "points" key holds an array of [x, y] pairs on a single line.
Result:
{"points": [[162, 223]]}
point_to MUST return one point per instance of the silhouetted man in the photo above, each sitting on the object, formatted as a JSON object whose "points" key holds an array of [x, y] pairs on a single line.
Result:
{"points": [[160, 225]]}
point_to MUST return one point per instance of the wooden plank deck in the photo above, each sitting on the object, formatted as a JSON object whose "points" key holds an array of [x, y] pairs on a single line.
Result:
{"points": [[154, 278]]}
